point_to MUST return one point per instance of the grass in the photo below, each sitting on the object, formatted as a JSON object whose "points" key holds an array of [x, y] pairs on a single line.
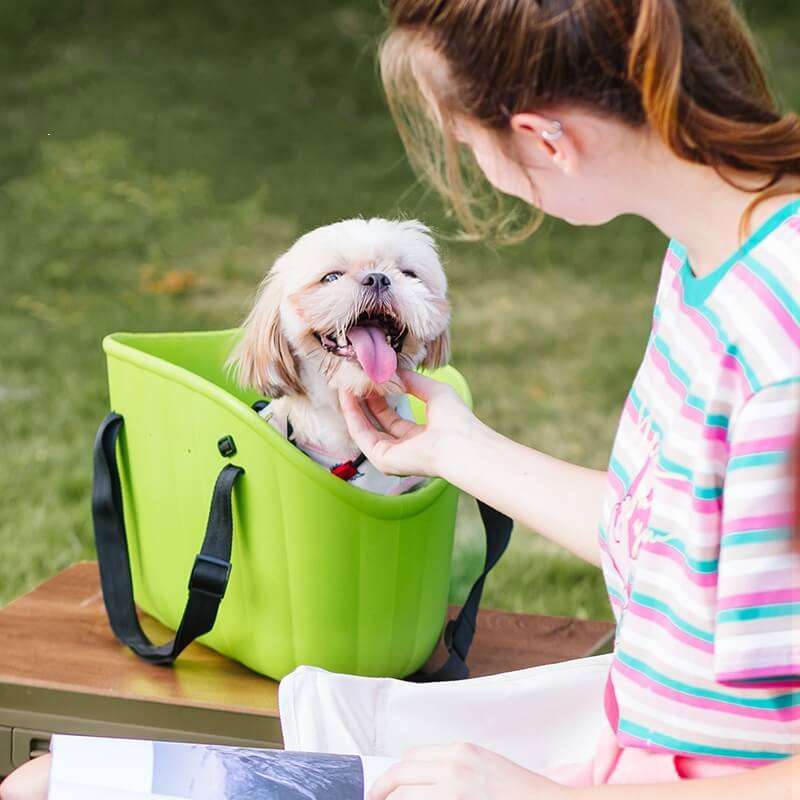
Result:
{"points": [[154, 158]]}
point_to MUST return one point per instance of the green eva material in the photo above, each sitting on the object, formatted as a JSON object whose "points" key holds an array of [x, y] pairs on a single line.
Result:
{"points": [[322, 573]]}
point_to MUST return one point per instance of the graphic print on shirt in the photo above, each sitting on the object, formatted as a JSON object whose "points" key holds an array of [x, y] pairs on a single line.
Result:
{"points": [[630, 526]]}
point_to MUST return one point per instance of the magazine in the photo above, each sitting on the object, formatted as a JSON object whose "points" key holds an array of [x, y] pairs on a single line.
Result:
{"points": [[90, 768]]}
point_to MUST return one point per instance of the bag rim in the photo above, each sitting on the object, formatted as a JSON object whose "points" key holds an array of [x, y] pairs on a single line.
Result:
{"points": [[122, 345]]}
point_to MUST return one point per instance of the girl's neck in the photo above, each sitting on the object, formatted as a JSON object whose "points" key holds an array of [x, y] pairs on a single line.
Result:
{"points": [[692, 204]]}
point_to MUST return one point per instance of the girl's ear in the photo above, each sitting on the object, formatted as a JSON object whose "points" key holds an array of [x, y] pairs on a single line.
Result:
{"points": [[438, 351], [555, 142], [263, 358]]}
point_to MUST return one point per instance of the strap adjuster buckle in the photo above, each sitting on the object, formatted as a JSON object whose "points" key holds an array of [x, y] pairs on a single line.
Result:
{"points": [[347, 470], [210, 575]]}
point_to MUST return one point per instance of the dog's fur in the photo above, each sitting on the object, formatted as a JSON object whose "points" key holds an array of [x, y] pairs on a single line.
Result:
{"points": [[281, 351]]}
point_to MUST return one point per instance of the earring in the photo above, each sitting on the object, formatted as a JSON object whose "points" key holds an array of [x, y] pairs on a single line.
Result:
{"points": [[555, 134]]}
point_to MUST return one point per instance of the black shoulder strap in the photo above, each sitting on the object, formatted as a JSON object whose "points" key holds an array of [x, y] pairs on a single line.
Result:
{"points": [[210, 573], [459, 632]]}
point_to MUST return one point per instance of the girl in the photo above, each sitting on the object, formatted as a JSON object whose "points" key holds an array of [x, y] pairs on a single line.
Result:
{"points": [[588, 109]]}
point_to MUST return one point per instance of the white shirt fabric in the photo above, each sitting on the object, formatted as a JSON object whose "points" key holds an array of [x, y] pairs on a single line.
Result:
{"points": [[540, 717]]}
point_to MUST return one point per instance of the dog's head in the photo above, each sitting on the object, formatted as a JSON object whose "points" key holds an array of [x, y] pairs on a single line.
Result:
{"points": [[353, 302]]}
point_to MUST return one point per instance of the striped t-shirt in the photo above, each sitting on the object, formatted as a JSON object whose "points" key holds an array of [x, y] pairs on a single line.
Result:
{"points": [[696, 538]]}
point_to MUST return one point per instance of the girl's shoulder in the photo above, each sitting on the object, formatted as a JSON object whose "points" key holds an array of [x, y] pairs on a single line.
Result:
{"points": [[746, 311]]}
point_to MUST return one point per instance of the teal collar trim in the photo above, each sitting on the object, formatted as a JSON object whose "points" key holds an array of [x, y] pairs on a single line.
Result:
{"points": [[696, 290]]}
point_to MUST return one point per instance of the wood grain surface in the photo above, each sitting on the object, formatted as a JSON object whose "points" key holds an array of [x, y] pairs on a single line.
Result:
{"points": [[57, 637]]}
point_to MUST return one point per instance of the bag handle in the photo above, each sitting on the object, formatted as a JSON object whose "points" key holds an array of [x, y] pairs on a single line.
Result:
{"points": [[211, 571], [212, 565], [459, 632]]}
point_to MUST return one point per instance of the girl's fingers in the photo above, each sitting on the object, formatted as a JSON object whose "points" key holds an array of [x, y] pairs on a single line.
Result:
{"points": [[458, 751], [404, 775], [360, 428], [388, 418], [415, 793]]}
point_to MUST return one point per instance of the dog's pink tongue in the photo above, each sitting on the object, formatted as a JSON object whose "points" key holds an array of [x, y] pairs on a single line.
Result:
{"points": [[376, 357]]}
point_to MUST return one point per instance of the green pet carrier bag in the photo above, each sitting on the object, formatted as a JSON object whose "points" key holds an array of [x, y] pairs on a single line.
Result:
{"points": [[296, 565]]}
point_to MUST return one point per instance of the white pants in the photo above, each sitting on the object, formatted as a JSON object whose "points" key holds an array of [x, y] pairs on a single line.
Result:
{"points": [[539, 717]]}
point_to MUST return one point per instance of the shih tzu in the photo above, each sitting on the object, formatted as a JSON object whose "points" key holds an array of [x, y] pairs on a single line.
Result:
{"points": [[344, 308]]}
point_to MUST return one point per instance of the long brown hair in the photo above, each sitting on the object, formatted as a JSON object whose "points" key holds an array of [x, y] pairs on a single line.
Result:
{"points": [[686, 68]]}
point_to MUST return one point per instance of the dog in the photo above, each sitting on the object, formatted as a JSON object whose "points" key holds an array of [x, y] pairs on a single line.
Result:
{"points": [[344, 308]]}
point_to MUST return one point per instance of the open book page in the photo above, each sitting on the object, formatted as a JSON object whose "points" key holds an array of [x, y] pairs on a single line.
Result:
{"points": [[89, 768]]}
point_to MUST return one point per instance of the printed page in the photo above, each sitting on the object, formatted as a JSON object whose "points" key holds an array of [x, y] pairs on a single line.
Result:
{"points": [[90, 768]]}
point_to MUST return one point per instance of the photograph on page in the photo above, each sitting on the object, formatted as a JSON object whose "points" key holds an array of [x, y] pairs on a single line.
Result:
{"points": [[88, 768]]}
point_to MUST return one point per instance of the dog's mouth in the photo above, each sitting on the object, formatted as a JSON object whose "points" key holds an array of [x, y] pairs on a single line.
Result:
{"points": [[374, 342]]}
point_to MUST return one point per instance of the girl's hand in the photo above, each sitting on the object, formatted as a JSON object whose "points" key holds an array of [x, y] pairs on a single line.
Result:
{"points": [[461, 772], [403, 447]]}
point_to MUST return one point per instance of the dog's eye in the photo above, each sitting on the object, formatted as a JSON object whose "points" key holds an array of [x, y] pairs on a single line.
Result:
{"points": [[331, 277], [410, 273]]}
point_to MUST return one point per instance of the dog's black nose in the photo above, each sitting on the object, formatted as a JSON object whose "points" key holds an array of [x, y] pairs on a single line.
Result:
{"points": [[377, 281]]}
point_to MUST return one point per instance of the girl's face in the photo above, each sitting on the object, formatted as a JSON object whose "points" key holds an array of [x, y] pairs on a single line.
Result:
{"points": [[573, 179]]}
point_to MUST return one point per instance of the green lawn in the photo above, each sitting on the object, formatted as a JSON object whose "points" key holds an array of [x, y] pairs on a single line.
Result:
{"points": [[155, 157]]}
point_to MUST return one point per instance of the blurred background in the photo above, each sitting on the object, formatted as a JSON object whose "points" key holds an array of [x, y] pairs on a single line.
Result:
{"points": [[156, 156]]}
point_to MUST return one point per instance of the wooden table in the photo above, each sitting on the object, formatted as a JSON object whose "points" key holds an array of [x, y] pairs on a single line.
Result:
{"points": [[62, 671]]}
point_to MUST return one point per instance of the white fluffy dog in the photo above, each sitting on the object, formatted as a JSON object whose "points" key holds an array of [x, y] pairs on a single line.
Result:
{"points": [[344, 308]]}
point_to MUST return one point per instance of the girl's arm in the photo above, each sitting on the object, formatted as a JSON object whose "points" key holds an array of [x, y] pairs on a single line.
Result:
{"points": [[469, 772], [776, 782], [560, 500]]}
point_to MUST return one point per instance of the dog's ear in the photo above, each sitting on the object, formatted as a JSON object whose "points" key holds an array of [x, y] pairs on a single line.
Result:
{"points": [[263, 359], [438, 351]]}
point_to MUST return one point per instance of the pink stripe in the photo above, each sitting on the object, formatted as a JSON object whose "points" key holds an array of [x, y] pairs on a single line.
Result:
{"points": [[663, 368], [664, 622], [794, 223], [692, 413], [679, 483], [730, 363], [782, 714], [705, 328], [760, 598], [699, 578], [715, 433], [615, 480], [766, 444], [631, 410], [789, 681], [773, 305], [782, 520], [673, 260], [710, 506]]}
